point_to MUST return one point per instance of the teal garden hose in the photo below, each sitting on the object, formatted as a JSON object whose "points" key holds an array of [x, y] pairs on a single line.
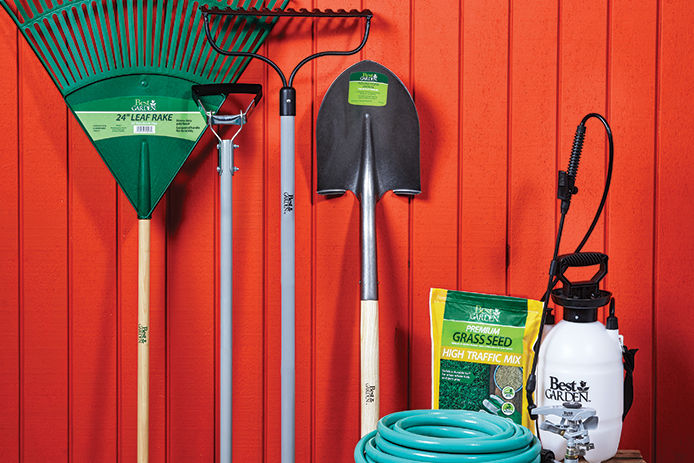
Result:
{"points": [[447, 436]]}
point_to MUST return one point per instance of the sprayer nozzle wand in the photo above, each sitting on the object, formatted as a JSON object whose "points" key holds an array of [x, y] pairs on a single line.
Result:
{"points": [[566, 182]]}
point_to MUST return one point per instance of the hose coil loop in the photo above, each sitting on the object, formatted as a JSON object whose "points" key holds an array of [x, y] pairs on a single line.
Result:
{"points": [[447, 436]]}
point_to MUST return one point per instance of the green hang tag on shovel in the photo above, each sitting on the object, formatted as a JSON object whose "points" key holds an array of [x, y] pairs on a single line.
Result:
{"points": [[368, 89]]}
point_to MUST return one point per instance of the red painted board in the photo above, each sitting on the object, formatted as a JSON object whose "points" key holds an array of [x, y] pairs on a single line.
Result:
{"points": [[248, 279], [191, 288], [582, 90], [532, 146], [158, 340], [44, 266], [337, 275], [93, 302], [9, 246], [289, 43], [484, 155], [632, 76], [126, 361], [393, 220], [434, 227], [673, 224]]}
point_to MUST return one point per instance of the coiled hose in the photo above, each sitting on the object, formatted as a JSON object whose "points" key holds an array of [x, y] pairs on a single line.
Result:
{"points": [[447, 436]]}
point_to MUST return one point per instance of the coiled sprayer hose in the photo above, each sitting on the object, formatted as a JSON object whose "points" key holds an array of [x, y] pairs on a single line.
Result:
{"points": [[447, 436]]}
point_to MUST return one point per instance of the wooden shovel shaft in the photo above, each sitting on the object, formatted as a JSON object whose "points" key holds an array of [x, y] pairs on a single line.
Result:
{"points": [[369, 367], [143, 341]]}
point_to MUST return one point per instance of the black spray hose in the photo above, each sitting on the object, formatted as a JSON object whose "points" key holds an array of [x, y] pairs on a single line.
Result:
{"points": [[566, 189]]}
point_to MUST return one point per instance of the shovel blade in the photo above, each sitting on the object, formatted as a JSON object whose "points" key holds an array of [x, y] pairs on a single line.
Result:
{"points": [[368, 90]]}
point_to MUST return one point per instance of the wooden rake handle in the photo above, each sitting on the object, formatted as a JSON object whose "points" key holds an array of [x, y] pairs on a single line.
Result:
{"points": [[369, 367], [143, 341]]}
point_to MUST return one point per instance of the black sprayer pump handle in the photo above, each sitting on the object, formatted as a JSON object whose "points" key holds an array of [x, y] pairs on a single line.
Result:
{"points": [[581, 259]]}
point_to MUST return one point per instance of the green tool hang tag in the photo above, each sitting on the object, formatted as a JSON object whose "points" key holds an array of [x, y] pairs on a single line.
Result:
{"points": [[151, 116], [368, 89]]}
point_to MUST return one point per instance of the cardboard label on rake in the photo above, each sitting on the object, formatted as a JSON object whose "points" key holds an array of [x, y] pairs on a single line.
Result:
{"points": [[145, 134], [158, 116]]}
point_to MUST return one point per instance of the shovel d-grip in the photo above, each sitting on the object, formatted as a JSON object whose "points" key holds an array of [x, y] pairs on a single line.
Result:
{"points": [[226, 170]]}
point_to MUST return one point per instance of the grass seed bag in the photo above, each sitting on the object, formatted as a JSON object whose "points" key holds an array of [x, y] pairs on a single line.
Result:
{"points": [[482, 352]]}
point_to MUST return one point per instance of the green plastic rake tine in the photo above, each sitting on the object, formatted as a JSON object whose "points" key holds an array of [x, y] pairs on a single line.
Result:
{"points": [[223, 23], [140, 33], [195, 40], [43, 4], [99, 43], [57, 72], [234, 68], [60, 52], [132, 54], [157, 42], [166, 36], [183, 46], [125, 56], [89, 38], [237, 34], [21, 10], [115, 46], [148, 39], [217, 23], [175, 41], [81, 58], [105, 41]]}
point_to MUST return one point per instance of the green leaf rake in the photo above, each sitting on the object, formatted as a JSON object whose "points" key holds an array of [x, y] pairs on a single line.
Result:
{"points": [[125, 68]]}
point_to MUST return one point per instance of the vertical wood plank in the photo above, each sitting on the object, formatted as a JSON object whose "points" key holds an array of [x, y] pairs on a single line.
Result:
{"points": [[44, 267], [93, 302], [306, 42], [532, 163], [482, 264], [674, 222], [190, 309], [9, 245], [289, 43], [248, 281], [126, 361], [582, 90], [632, 74], [336, 282], [158, 339], [436, 64], [393, 223]]}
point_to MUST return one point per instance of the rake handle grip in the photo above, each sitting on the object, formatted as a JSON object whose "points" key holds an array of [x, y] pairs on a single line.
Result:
{"points": [[143, 340], [369, 386]]}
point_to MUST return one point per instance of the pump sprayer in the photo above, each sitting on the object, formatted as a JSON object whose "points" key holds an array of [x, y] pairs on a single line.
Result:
{"points": [[581, 361]]}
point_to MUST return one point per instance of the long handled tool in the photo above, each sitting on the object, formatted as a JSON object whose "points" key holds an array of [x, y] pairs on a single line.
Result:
{"points": [[287, 116], [226, 170], [367, 139], [125, 70]]}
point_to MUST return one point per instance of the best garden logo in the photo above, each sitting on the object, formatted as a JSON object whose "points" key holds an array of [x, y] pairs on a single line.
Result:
{"points": [[369, 77], [567, 391], [144, 105], [482, 314]]}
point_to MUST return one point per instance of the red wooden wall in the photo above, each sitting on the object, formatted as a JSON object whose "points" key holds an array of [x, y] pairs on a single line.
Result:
{"points": [[500, 87]]}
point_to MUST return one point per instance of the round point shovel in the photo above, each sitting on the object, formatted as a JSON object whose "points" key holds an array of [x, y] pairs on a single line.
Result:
{"points": [[367, 137]]}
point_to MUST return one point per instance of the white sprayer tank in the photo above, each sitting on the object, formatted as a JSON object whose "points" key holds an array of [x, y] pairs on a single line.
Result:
{"points": [[582, 362]]}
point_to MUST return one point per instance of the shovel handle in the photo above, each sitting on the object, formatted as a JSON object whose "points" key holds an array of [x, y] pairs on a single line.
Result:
{"points": [[143, 341], [369, 367]]}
